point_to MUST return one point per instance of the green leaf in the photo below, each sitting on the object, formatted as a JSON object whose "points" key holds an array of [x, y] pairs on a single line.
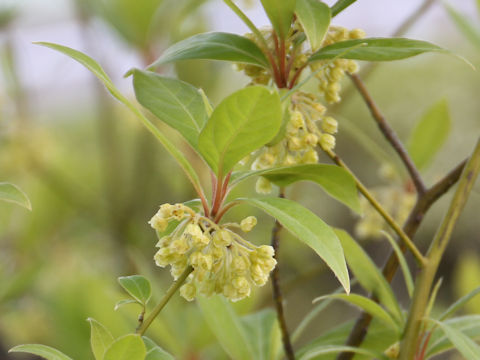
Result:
{"points": [[466, 346], [376, 49], [44, 351], [123, 302], [100, 338], [314, 16], [335, 349], [467, 28], [430, 134], [280, 14], [128, 347], [175, 102], [240, 124], [309, 229], [155, 352], [12, 193], [367, 305], [341, 5], [336, 181], [97, 70], [227, 327], [214, 46], [137, 286], [263, 333], [459, 304], [407, 275], [368, 275]]}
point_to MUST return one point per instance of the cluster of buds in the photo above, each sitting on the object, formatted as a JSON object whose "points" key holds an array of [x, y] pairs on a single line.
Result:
{"points": [[307, 127], [330, 76], [222, 261]]}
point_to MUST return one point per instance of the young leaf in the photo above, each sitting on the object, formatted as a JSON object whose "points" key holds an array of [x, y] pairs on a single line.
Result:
{"points": [[263, 333], [137, 286], [155, 352], [336, 181], [366, 305], [309, 229], [214, 46], [240, 124], [314, 16], [341, 5], [100, 338], [175, 102], [430, 134], [12, 193], [227, 327], [468, 29], [280, 14], [123, 302], [459, 303], [44, 351], [376, 49], [128, 347], [335, 349], [368, 275], [466, 346], [97, 70]]}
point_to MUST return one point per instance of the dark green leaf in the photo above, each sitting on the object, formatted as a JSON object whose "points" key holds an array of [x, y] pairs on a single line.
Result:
{"points": [[280, 14], [466, 346], [100, 339], [430, 134], [240, 124], [368, 275], [263, 333], [137, 286], [336, 181], [376, 49], [314, 16], [309, 229], [341, 5], [12, 193], [214, 46], [175, 102], [128, 347], [46, 352]]}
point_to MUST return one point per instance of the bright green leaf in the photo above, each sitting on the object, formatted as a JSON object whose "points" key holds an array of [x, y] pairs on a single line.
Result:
{"points": [[376, 49], [240, 124], [263, 333], [368, 275], [128, 347], [430, 134], [309, 229], [468, 29], [466, 346], [314, 16], [97, 70], [100, 338], [336, 181], [214, 46], [227, 327], [121, 303], [137, 286], [44, 351], [367, 305], [335, 349], [155, 352], [175, 102], [341, 5], [459, 304], [280, 14], [12, 193]]}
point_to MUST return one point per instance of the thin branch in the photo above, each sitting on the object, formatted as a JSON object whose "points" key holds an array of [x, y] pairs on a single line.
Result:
{"points": [[277, 294], [359, 330], [390, 134]]}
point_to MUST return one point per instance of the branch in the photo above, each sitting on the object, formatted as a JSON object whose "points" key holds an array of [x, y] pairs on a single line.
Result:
{"points": [[390, 134], [277, 294]]}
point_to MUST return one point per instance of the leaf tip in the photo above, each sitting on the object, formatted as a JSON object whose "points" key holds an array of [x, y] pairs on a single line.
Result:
{"points": [[129, 73]]}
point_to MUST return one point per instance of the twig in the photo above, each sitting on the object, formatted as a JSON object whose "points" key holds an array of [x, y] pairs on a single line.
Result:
{"points": [[390, 134], [359, 330], [277, 294]]}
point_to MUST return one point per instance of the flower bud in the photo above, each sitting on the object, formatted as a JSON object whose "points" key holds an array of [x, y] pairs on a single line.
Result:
{"points": [[329, 125], [248, 223], [327, 142], [188, 291], [158, 223]]}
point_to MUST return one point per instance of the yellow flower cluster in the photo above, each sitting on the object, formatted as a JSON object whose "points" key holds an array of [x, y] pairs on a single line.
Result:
{"points": [[222, 261], [307, 127], [329, 78]]}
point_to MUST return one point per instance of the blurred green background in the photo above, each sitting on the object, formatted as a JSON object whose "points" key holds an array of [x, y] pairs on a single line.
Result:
{"points": [[95, 176]]}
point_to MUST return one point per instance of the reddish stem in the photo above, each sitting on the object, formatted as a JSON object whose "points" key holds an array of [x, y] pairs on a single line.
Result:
{"points": [[421, 356], [296, 76], [224, 210]]}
